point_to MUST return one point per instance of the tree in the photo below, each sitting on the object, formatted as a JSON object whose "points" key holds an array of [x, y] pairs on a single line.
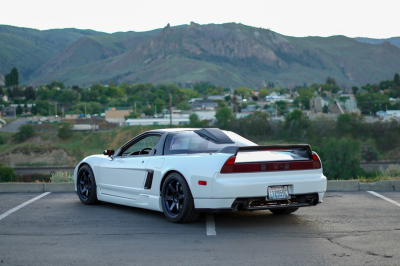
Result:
{"points": [[195, 121], [160, 104], [325, 109], [25, 132], [224, 116], [331, 81], [263, 93], [12, 78], [65, 131], [1, 91], [396, 79], [341, 158], [19, 110], [270, 85], [354, 89], [30, 93]]}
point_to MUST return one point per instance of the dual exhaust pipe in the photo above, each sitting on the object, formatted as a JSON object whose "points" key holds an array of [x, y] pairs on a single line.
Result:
{"points": [[240, 206]]}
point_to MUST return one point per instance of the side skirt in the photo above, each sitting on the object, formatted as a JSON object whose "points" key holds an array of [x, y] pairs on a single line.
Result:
{"points": [[144, 201]]}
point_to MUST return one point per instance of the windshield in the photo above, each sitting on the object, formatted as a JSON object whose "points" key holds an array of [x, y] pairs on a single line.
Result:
{"points": [[190, 142]]}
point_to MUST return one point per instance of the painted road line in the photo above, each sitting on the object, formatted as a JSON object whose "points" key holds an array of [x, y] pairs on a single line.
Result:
{"points": [[210, 225], [4, 215], [383, 197]]}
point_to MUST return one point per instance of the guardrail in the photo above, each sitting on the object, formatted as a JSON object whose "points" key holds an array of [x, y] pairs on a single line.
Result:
{"points": [[346, 185]]}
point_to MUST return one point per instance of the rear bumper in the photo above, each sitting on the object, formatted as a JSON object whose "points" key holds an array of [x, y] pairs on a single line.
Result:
{"points": [[228, 189]]}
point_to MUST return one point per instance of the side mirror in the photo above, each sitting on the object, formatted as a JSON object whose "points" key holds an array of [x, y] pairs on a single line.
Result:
{"points": [[108, 152]]}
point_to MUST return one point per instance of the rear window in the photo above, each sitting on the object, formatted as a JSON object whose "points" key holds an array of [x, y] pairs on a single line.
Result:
{"points": [[190, 142]]}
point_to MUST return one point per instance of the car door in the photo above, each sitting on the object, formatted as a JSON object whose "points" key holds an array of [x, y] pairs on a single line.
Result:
{"points": [[123, 174]]}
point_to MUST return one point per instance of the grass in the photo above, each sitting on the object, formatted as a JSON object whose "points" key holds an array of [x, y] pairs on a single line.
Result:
{"points": [[61, 177]]}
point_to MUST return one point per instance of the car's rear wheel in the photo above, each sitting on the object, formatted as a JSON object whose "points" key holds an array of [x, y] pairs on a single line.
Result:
{"points": [[86, 186], [177, 200], [283, 211]]}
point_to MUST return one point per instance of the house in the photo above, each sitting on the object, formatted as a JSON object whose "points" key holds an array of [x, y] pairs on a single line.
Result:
{"points": [[117, 114], [317, 103], [157, 121], [336, 108], [4, 98], [350, 104], [204, 105], [388, 114], [216, 97], [71, 116]]}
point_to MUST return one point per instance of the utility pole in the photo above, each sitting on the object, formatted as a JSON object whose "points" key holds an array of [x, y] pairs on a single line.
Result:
{"points": [[49, 110], [55, 108], [170, 110]]}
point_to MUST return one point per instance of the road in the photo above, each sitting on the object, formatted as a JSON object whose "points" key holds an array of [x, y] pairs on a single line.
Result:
{"points": [[354, 228], [14, 126]]}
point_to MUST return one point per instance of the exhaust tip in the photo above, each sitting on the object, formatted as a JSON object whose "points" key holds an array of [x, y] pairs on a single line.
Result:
{"points": [[314, 202], [238, 207]]}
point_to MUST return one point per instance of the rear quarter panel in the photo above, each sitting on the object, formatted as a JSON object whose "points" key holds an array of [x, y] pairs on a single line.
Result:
{"points": [[193, 167]]}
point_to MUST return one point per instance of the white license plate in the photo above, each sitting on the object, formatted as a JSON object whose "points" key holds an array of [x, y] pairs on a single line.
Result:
{"points": [[278, 192]]}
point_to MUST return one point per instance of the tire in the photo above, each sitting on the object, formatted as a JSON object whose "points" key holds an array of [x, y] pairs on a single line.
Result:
{"points": [[86, 186], [177, 200], [283, 211]]}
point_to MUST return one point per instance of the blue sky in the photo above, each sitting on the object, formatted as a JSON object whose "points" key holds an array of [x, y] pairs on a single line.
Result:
{"points": [[375, 19]]}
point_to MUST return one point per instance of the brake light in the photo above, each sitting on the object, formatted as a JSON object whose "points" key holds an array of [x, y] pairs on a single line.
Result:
{"points": [[231, 167], [228, 166], [316, 161]]}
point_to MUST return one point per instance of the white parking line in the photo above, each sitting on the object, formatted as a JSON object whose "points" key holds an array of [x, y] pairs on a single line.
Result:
{"points": [[383, 197], [210, 225], [4, 215]]}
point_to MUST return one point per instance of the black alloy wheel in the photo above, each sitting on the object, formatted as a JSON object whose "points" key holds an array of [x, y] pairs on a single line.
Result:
{"points": [[86, 186], [174, 198], [177, 200]]}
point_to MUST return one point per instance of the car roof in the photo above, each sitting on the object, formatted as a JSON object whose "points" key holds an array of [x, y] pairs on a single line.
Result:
{"points": [[173, 129]]}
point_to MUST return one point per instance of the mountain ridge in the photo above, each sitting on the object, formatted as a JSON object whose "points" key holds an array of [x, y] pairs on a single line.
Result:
{"points": [[226, 54]]}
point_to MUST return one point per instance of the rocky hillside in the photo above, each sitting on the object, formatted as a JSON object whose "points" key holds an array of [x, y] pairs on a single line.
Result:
{"points": [[226, 54]]}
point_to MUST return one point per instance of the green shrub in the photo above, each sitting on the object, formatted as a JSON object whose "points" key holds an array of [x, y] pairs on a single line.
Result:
{"points": [[65, 131], [61, 177], [25, 132], [6, 173]]}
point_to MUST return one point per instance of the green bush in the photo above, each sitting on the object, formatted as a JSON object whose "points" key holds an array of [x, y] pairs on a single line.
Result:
{"points": [[341, 158], [25, 132], [6, 173], [65, 131]]}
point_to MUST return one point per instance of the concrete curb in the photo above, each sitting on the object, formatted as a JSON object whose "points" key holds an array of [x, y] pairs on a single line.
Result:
{"points": [[36, 187], [340, 185]]}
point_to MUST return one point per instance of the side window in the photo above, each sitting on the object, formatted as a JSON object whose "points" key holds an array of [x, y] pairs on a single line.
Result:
{"points": [[143, 146]]}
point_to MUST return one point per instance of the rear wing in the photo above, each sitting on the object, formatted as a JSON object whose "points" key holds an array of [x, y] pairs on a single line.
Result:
{"points": [[302, 150]]}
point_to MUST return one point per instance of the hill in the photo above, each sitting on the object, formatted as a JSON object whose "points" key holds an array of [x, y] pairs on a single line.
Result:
{"points": [[226, 54], [394, 40]]}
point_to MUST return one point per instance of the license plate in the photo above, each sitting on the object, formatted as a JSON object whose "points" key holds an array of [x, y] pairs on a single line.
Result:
{"points": [[278, 192]]}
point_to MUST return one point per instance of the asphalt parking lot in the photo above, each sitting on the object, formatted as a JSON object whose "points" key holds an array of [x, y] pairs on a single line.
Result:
{"points": [[349, 228]]}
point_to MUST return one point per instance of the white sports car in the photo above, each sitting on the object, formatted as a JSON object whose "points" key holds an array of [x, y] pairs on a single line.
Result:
{"points": [[183, 172]]}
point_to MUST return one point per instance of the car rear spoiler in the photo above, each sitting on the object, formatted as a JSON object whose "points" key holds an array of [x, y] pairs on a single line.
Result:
{"points": [[303, 150]]}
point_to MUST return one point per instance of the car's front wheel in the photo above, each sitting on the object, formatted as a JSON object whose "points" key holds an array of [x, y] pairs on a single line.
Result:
{"points": [[177, 200], [86, 186], [283, 211]]}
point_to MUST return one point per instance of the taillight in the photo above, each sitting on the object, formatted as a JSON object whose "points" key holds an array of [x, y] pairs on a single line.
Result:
{"points": [[231, 167], [228, 166], [316, 161]]}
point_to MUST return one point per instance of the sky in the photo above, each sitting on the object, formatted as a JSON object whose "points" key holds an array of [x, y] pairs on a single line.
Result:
{"points": [[352, 18]]}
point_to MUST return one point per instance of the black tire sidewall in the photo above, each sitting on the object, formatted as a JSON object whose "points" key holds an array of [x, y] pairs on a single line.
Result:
{"points": [[188, 199], [92, 199]]}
